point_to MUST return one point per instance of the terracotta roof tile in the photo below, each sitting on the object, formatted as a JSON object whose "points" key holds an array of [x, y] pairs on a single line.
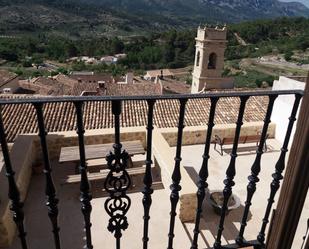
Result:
{"points": [[21, 119], [174, 86], [132, 89]]}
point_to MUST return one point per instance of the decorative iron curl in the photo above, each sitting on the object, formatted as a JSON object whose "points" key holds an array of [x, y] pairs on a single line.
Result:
{"points": [[116, 184]]}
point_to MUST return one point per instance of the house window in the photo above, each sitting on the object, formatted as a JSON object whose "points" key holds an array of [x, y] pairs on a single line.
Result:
{"points": [[212, 62], [198, 58]]}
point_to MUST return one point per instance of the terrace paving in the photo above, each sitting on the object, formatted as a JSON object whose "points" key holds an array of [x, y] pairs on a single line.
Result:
{"points": [[71, 220], [218, 164]]}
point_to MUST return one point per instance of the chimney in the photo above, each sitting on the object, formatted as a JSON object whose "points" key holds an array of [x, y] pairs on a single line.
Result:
{"points": [[101, 84], [129, 78], [157, 80]]}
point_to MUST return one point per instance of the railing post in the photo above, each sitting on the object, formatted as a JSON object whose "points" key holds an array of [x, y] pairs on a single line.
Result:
{"points": [[280, 165], [85, 195], [50, 190], [231, 171], [295, 184], [14, 195], [255, 170], [176, 176], [117, 182], [148, 175], [203, 174]]}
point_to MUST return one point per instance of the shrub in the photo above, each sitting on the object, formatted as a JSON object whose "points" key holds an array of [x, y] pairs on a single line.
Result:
{"points": [[288, 55]]}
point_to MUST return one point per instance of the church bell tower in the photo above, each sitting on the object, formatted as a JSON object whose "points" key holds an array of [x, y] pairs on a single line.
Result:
{"points": [[209, 60]]}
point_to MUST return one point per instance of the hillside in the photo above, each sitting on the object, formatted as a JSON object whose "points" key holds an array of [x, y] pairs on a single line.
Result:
{"points": [[66, 18], [257, 52], [126, 17], [210, 10]]}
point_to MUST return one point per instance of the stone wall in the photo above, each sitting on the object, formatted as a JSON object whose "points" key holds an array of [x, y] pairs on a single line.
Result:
{"points": [[197, 134], [164, 158], [101, 136], [284, 102], [22, 155]]}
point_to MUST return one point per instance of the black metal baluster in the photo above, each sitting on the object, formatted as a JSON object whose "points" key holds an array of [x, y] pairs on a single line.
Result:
{"points": [[230, 172], [203, 174], [280, 165], [176, 176], [85, 195], [50, 190], [14, 195], [148, 175], [117, 182], [255, 170]]}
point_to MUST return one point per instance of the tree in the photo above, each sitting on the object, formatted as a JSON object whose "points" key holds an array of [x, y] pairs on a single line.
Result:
{"points": [[37, 60], [8, 54], [116, 46], [71, 49], [62, 70], [288, 55]]}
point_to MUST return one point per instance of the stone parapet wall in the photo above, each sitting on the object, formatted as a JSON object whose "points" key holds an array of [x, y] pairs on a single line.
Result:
{"points": [[197, 134], [22, 155], [65, 139], [164, 158]]}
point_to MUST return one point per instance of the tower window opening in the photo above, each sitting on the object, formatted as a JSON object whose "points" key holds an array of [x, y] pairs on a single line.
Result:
{"points": [[212, 61], [198, 58]]}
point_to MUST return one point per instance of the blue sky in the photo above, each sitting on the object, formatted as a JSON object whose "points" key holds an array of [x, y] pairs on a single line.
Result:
{"points": [[306, 2]]}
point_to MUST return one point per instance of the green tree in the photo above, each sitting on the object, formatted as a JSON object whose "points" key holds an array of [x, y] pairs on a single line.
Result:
{"points": [[116, 46], [71, 49], [288, 55]]}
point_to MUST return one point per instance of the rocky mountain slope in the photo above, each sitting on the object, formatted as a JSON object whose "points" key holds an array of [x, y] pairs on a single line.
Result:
{"points": [[85, 17], [214, 10]]}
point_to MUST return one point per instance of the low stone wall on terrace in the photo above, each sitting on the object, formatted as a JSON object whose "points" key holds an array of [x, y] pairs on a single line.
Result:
{"points": [[56, 141], [197, 134], [22, 156], [164, 158]]}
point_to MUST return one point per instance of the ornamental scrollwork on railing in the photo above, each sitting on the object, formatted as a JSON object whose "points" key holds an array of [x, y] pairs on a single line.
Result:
{"points": [[116, 184]]}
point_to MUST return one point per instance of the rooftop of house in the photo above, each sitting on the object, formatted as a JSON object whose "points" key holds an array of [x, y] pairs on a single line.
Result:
{"points": [[21, 119], [54, 86], [6, 76], [59, 85], [107, 78], [174, 86], [159, 72], [132, 89], [77, 85]]}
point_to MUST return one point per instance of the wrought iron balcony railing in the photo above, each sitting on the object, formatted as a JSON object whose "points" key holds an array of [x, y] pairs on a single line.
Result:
{"points": [[118, 180]]}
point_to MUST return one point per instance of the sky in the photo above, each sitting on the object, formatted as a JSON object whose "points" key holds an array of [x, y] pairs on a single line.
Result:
{"points": [[305, 2]]}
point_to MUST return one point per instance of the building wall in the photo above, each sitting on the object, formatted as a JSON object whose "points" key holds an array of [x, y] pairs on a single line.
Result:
{"points": [[283, 105]]}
